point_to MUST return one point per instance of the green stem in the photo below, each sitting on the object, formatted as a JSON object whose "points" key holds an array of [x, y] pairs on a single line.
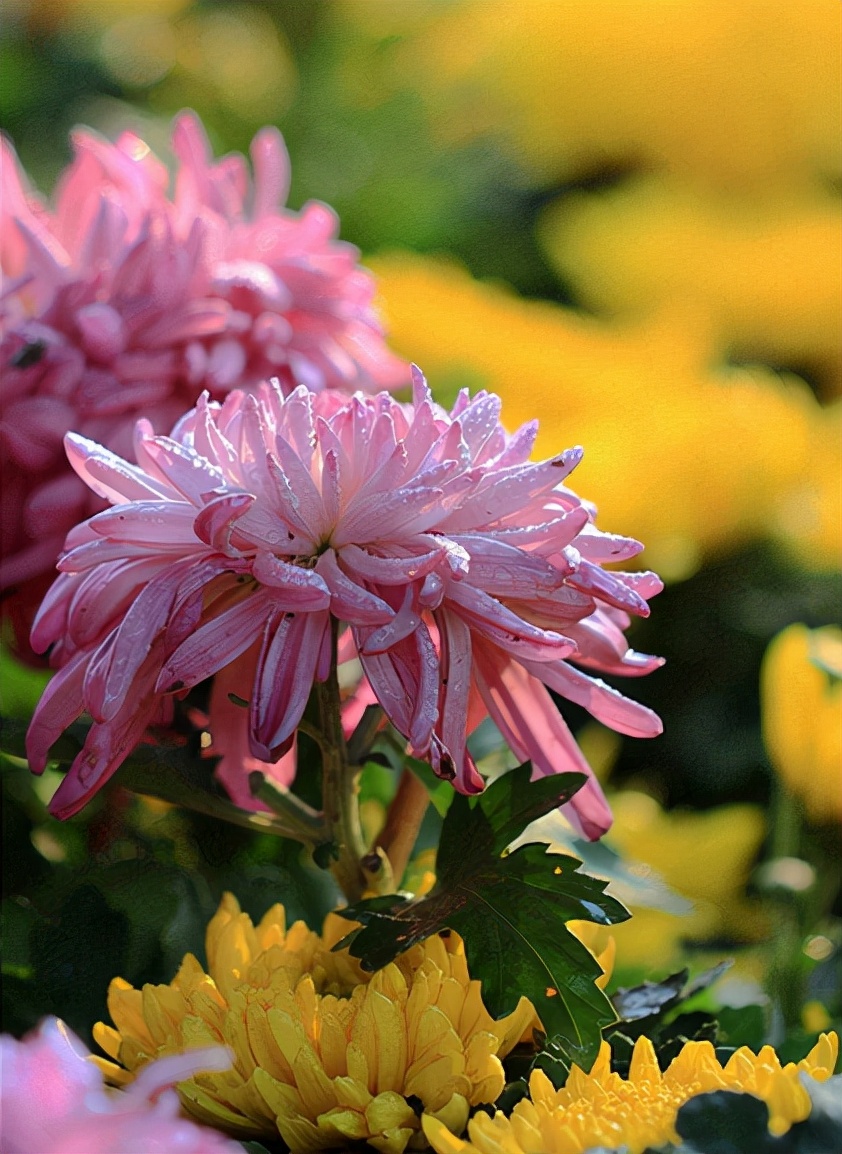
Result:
{"points": [[340, 788], [786, 974], [300, 821]]}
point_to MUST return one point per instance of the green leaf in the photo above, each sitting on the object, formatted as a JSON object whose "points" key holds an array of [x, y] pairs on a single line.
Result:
{"points": [[649, 999], [727, 1123], [742, 1026], [510, 909], [173, 772]]}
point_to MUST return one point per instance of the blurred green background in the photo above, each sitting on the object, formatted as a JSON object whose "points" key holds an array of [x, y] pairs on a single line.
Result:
{"points": [[624, 218]]}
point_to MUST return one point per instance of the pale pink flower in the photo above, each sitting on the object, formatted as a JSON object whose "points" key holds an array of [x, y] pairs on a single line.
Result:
{"points": [[124, 301], [53, 1101], [469, 579]]}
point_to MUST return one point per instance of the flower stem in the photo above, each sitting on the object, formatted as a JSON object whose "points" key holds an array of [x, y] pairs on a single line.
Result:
{"points": [[786, 978], [300, 821], [340, 787], [403, 822]]}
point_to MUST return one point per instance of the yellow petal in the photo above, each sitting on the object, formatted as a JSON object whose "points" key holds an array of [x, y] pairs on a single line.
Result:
{"points": [[107, 1038], [349, 1123], [351, 1093], [391, 1048], [440, 1138], [389, 1111], [454, 1114], [821, 1061]]}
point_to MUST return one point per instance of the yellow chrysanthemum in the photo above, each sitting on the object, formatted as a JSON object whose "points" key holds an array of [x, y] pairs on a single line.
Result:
{"points": [[801, 695], [766, 270], [659, 423], [742, 95], [324, 1054], [673, 843], [601, 1108]]}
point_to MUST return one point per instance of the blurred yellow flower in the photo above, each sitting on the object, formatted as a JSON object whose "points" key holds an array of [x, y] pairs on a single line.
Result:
{"points": [[601, 943], [766, 270], [659, 423], [236, 56], [732, 95], [801, 700], [603, 1109], [814, 1017], [706, 857], [88, 13], [324, 1054]]}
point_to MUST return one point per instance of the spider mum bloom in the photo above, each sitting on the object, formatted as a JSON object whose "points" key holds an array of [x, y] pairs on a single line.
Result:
{"points": [[52, 1100], [601, 1109], [466, 575], [124, 300], [324, 1054]]}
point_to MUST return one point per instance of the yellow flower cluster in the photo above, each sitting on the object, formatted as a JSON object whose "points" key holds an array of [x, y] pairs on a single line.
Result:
{"points": [[323, 1054], [765, 270], [728, 838], [718, 122], [801, 698], [661, 424], [603, 1109], [730, 94]]}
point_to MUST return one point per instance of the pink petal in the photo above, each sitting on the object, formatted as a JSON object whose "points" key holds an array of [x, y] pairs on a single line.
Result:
{"points": [[106, 748], [291, 586], [349, 601], [109, 475], [503, 627], [218, 520], [216, 643], [147, 522], [61, 703], [525, 714], [404, 622], [286, 671], [147, 617], [388, 570], [456, 668], [606, 704], [506, 571], [609, 587], [271, 172]]}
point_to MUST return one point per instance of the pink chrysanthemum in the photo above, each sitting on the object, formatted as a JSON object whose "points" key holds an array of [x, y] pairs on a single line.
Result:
{"points": [[469, 579], [53, 1101], [124, 301]]}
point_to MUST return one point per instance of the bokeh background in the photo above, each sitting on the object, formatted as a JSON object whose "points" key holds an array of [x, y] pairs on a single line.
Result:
{"points": [[624, 217]]}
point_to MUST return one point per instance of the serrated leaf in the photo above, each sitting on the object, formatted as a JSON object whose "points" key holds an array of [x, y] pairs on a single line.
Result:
{"points": [[510, 909]]}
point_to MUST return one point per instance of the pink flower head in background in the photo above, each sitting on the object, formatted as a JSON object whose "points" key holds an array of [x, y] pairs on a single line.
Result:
{"points": [[469, 580], [125, 301], [53, 1101]]}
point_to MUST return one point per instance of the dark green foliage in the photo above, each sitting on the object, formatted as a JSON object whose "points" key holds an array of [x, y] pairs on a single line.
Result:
{"points": [[727, 1123], [661, 1011]]}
